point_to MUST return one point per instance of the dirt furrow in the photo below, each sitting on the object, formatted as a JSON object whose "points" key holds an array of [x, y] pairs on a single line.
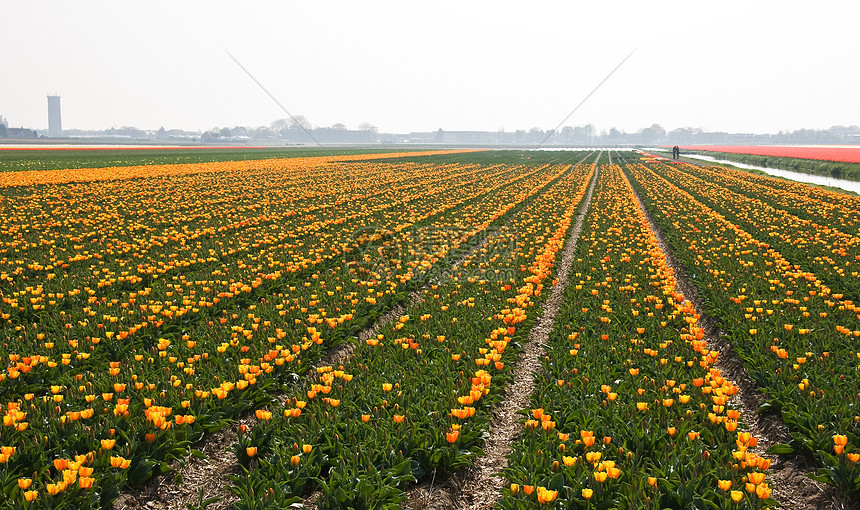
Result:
{"points": [[786, 474], [478, 486]]}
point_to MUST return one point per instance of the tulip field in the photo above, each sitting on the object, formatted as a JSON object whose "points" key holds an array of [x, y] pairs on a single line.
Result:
{"points": [[355, 318]]}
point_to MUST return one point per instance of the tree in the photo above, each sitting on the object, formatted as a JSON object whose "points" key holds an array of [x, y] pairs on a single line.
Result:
{"points": [[519, 136], [536, 135], [653, 134], [280, 126], [225, 132], [590, 131], [339, 127], [583, 134], [283, 127], [367, 126], [567, 133], [299, 122], [261, 133]]}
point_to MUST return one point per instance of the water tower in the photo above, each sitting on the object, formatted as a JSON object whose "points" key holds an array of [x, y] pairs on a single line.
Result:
{"points": [[55, 123]]}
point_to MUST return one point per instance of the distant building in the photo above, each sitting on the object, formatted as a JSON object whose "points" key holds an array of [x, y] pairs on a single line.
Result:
{"points": [[465, 137], [21, 133], [55, 123]]}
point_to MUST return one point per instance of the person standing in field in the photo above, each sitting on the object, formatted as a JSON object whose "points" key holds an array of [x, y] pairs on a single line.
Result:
{"points": [[676, 152]]}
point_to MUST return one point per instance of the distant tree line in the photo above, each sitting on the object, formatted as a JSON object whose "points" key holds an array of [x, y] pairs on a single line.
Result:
{"points": [[832, 135], [656, 134], [295, 130], [299, 130]]}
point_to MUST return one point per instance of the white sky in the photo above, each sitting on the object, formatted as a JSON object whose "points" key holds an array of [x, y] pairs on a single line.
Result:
{"points": [[740, 66]]}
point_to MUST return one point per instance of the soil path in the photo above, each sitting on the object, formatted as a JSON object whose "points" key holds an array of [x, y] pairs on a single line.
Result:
{"points": [[478, 486]]}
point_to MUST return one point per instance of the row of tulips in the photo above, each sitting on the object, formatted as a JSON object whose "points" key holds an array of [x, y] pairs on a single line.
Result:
{"points": [[629, 410], [169, 166], [831, 209], [114, 409], [826, 245], [796, 335], [804, 191], [414, 401]]}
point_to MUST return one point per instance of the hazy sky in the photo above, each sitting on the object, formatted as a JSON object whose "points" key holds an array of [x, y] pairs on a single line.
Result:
{"points": [[756, 66]]}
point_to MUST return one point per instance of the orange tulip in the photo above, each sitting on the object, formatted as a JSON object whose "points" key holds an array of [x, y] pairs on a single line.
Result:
{"points": [[545, 495], [119, 462], [756, 477]]}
